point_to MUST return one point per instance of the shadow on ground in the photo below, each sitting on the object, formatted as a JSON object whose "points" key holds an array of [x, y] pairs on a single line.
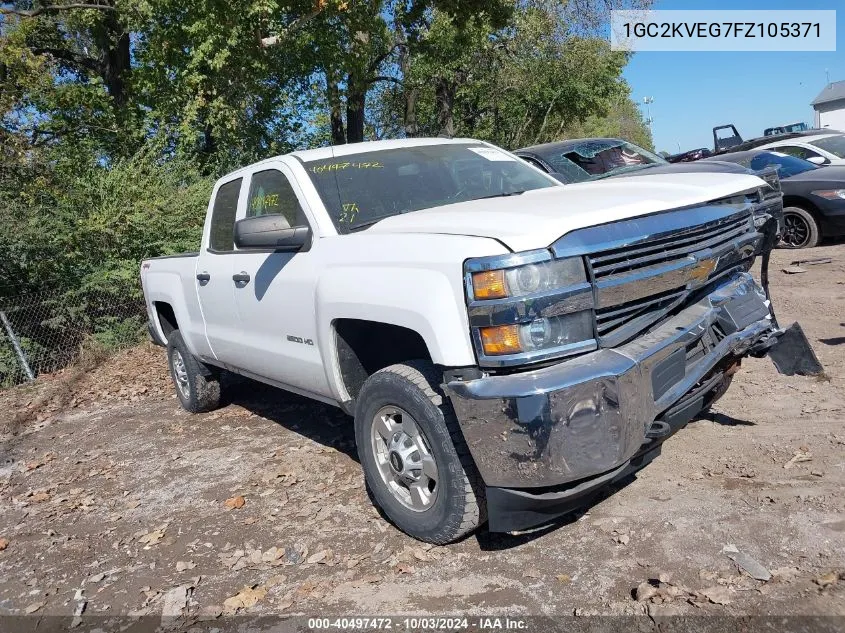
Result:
{"points": [[321, 423]]}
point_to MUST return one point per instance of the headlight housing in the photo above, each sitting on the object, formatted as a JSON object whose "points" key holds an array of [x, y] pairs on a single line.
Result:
{"points": [[528, 307], [830, 194]]}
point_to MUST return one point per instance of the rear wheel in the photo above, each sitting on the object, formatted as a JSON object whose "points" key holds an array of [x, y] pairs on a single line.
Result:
{"points": [[416, 464], [800, 229], [197, 386]]}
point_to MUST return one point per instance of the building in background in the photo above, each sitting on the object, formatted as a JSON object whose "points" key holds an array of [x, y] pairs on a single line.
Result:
{"points": [[829, 106]]}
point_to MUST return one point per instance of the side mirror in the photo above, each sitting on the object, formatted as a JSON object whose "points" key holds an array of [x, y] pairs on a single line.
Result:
{"points": [[819, 160], [270, 231]]}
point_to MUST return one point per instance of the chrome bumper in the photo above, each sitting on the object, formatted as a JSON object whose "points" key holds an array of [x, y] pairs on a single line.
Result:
{"points": [[588, 415]]}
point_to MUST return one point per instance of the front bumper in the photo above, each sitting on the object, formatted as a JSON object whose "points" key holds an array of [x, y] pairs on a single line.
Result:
{"points": [[588, 416]]}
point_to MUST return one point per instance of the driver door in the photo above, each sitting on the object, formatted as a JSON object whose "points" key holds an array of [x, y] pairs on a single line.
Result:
{"points": [[275, 296]]}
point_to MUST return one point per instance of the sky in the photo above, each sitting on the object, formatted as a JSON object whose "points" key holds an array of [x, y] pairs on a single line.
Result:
{"points": [[695, 91]]}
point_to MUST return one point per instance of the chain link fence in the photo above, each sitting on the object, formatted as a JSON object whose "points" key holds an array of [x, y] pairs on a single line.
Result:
{"points": [[41, 333]]}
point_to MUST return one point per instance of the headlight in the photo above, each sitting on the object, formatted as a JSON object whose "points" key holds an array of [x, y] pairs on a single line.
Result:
{"points": [[830, 194], [540, 334], [528, 279], [528, 307]]}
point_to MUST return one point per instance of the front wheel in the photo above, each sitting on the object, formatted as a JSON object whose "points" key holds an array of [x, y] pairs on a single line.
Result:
{"points": [[800, 229], [416, 464]]}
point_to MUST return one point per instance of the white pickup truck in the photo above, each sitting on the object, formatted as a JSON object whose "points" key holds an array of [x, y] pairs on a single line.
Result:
{"points": [[505, 344]]}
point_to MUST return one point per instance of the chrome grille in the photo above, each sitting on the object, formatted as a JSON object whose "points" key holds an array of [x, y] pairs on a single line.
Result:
{"points": [[669, 248], [636, 284]]}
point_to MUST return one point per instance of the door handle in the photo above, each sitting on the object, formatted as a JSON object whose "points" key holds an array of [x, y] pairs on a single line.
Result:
{"points": [[241, 278], [203, 277]]}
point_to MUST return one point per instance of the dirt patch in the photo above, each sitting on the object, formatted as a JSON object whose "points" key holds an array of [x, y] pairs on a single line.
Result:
{"points": [[113, 490]]}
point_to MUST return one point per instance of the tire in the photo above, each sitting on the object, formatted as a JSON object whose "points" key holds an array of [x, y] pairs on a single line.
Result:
{"points": [[800, 229], [720, 390], [394, 403], [197, 386]]}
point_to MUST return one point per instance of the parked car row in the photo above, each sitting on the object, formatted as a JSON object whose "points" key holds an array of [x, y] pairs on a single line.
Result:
{"points": [[808, 169]]}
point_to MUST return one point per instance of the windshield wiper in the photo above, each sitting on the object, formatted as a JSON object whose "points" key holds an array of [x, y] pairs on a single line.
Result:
{"points": [[502, 195], [363, 225]]}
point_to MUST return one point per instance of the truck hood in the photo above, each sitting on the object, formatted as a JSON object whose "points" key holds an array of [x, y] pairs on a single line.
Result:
{"points": [[537, 218]]}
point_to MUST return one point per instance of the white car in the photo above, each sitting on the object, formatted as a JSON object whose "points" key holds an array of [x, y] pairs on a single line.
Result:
{"points": [[821, 149], [505, 344]]}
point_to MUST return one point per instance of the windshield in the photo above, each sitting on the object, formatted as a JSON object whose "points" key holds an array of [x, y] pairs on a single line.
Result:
{"points": [[833, 144], [360, 189], [786, 165], [598, 158]]}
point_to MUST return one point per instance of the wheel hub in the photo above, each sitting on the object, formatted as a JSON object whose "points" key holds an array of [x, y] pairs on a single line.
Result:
{"points": [[404, 461], [396, 463], [180, 373]]}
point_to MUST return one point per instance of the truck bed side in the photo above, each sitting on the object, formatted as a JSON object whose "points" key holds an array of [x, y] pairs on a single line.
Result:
{"points": [[169, 285]]}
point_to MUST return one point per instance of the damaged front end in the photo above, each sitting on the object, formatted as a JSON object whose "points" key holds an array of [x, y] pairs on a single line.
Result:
{"points": [[674, 311]]}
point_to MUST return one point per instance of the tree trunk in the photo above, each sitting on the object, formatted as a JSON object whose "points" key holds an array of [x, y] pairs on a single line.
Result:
{"points": [[338, 133], [410, 92], [355, 100], [114, 64], [444, 94]]}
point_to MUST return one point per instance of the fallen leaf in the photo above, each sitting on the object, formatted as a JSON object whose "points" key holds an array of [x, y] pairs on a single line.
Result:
{"points": [[825, 580], [645, 591], [211, 612], [370, 579], [234, 503], [244, 599], [152, 538], [273, 581], [717, 595], [318, 556], [801, 455], [175, 600]]}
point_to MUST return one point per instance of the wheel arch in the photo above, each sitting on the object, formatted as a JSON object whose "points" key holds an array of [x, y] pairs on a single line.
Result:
{"points": [[803, 203], [363, 347]]}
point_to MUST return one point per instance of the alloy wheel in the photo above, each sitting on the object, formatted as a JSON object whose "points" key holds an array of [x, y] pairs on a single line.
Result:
{"points": [[403, 457], [796, 231]]}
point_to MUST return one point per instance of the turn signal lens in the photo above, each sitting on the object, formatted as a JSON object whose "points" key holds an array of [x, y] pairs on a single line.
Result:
{"points": [[501, 339], [489, 284]]}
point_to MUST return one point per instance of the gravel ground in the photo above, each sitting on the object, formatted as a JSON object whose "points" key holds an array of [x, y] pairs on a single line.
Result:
{"points": [[115, 498]]}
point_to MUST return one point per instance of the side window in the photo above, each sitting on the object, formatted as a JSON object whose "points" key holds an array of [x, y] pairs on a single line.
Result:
{"points": [[270, 193], [222, 235], [798, 152], [532, 161]]}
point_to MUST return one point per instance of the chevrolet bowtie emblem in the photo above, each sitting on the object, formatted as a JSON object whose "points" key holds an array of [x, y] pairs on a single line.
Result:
{"points": [[702, 270]]}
